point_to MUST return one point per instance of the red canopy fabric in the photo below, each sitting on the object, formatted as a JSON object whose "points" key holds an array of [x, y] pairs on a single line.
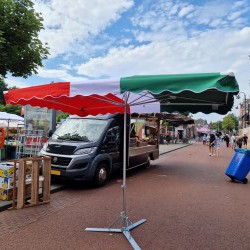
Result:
{"points": [[57, 96]]}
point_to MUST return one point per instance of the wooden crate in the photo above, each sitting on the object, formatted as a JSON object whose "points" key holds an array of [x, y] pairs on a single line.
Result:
{"points": [[32, 165]]}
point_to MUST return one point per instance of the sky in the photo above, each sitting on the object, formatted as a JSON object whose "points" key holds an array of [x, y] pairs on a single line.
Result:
{"points": [[91, 39]]}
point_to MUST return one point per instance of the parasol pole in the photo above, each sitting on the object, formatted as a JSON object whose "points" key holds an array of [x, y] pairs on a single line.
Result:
{"points": [[127, 224]]}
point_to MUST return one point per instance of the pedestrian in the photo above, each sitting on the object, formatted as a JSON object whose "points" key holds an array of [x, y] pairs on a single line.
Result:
{"points": [[239, 142], [233, 141], [211, 144], [208, 139], [244, 139], [226, 138], [217, 144], [204, 139]]}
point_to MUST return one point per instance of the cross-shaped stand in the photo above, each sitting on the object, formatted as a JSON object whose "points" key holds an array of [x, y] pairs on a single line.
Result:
{"points": [[125, 229]]}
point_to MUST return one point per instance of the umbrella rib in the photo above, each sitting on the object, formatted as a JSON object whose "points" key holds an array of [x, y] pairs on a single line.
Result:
{"points": [[108, 100], [193, 99], [188, 103], [65, 105], [143, 102], [140, 96], [91, 108]]}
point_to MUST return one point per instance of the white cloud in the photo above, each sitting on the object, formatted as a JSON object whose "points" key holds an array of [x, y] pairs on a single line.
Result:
{"points": [[238, 4], [11, 81], [186, 10], [65, 66], [211, 51], [69, 23], [59, 74], [237, 14]]}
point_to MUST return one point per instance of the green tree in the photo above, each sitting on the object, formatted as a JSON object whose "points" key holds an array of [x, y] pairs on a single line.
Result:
{"points": [[3, 87], [7, 108], [216, 125], [11, 109], [229, 122], [61, 116], [21, 51]]}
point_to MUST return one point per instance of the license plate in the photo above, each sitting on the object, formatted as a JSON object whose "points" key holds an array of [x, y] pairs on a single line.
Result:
{"points": [[55, 172]]}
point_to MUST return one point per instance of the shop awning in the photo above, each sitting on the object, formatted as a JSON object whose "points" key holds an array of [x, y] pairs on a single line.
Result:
{"points": [[203, 130], [204, 92], [172, 118], [11, 117]]}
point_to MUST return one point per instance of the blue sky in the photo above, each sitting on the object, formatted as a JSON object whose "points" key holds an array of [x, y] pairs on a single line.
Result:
{"points": [[95, 39]]}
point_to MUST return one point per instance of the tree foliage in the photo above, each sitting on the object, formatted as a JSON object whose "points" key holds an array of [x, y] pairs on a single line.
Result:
{"points": [[230, 122], [216, 125], [3, 87], [21, 52], [7, 108], [11, 109], [61, 116]]}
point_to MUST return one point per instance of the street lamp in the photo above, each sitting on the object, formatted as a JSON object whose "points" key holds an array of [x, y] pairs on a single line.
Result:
{"points": [[245, 107]]}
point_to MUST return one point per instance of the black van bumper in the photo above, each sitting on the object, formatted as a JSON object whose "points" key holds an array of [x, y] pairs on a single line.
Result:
{"points": [[77, 168]]}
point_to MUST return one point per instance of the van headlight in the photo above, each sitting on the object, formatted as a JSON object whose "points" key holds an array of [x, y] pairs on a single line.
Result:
{"points": [[85, 151]]}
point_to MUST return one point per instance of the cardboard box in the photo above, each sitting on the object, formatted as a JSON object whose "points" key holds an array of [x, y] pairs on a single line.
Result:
{"points": [[7, 194], [6, 183], [6, 169]]}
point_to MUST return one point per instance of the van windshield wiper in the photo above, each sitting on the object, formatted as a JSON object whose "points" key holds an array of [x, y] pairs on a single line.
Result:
{"points": [[80, 138], [68, 137], [63, 138]]}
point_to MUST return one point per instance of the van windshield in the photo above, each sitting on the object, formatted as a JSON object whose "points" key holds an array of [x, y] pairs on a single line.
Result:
{"points": [[87, 130]]}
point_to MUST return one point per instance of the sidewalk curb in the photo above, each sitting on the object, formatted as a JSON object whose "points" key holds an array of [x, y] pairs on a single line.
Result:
{"points": [[176, 149], [5, 207]]}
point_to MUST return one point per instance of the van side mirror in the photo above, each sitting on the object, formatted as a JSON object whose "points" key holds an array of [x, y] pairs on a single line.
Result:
{"points": [[50, 133], [110, 137]]}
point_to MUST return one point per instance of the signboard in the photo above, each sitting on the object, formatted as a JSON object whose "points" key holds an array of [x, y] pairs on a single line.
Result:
{"points": [[37, 118]]}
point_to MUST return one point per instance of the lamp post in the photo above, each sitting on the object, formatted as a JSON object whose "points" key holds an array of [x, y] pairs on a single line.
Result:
{"points": [[245, 107]]}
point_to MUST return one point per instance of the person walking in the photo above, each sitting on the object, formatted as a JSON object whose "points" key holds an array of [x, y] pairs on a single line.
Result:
{"points": [[226, 138], [233, 141], [204, 139], [244, 139], [211, 144], [217, 144], [208, 139], [239, 142]]}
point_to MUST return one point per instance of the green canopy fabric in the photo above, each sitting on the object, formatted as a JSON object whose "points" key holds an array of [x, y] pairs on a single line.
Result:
{"points": [[203, 92], [177, 83]]}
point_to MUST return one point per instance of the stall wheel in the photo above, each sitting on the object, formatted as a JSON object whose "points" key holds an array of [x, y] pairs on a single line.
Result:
{"points": [[232, 179], [245, 181]]}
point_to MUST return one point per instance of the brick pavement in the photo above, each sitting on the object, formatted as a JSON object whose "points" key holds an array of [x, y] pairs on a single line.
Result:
{"points": [[171, 147], [13, 220], [188, 201]]}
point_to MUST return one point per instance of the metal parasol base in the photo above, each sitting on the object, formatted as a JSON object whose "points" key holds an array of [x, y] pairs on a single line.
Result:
{"points": [[125, 229]]}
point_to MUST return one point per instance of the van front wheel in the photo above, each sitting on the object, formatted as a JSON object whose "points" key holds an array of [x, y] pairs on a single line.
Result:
{"points": [[101, 175]]}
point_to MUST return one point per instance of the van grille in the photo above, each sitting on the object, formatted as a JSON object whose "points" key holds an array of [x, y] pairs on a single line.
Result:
{"points": [[61, 161], [60, 149]]}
